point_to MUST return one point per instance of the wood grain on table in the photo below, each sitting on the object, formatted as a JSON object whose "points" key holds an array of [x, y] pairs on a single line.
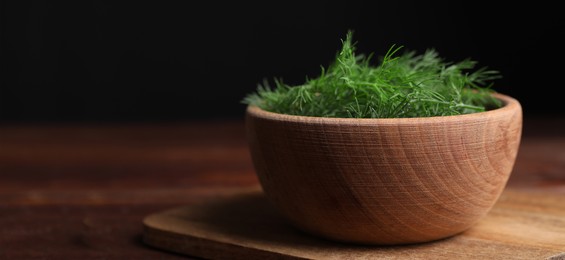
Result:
{"points": [[71, 191]]}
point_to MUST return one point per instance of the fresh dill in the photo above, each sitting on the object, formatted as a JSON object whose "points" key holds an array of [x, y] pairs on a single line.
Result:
{"points": [[400, 86]]}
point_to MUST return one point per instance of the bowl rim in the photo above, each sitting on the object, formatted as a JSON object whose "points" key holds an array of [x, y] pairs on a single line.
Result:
{"points": [[510, 105]]}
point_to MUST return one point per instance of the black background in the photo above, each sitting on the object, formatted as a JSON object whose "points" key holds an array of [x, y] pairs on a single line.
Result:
{"points": [[187, 60]]}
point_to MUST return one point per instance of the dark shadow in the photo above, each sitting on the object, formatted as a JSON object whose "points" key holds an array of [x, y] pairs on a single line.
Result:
{"points": [[251, 217], [138, 242]]}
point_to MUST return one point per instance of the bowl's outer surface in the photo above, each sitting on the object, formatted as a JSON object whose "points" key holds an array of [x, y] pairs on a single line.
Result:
{"points": [[385, 181]]}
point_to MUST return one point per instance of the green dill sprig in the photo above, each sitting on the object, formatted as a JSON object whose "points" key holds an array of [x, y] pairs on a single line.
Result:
{"points": [[400, 86]]}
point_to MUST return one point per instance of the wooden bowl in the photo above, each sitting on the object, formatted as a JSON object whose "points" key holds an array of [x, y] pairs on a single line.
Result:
{"points": [[385, 181]]}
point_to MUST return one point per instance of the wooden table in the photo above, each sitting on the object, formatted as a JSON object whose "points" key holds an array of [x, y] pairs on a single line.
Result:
{"points": [[80, 191]]}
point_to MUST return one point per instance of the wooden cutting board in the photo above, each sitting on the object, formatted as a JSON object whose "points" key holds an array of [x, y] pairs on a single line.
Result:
{"points": [[522, 225]]}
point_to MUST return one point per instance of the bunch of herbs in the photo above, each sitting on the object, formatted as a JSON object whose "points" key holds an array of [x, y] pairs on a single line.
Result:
{"points": [[399, 86]]}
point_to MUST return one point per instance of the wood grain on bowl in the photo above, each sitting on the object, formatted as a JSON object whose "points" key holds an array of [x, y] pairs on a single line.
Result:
{"points": [[385, 181]]}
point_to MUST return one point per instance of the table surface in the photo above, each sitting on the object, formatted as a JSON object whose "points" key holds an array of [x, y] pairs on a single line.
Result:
{"points": [[70, 191]]}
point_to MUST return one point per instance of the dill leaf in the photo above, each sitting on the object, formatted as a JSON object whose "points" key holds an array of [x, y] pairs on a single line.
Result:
{"points": [[399, 86]]}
